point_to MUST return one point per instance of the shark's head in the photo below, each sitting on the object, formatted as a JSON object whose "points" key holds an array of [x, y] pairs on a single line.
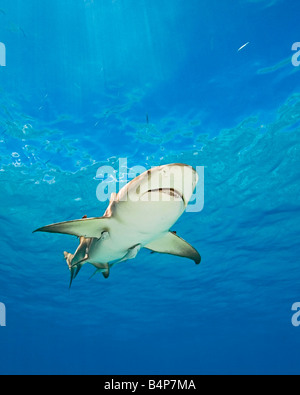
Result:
{"points": [[168, 190], [164, 183], [182, 177]]}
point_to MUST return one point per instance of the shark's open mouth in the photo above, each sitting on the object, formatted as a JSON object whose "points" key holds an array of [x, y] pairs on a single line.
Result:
{"points": [[168, 191]]}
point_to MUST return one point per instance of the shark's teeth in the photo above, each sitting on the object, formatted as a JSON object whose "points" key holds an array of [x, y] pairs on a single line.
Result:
{"points": [[168, 191]]}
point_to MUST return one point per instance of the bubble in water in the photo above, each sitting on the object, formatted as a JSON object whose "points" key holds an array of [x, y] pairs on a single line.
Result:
{"points": [[49, 179], [17, 163], [26, 128]]}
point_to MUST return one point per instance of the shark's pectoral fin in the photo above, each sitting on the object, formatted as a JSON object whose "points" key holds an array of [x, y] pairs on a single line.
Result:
{"points": [[170, 243], [87, 227]]}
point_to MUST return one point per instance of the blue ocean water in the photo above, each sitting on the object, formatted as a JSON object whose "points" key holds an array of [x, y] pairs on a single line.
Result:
{"points": [[88, 82]]}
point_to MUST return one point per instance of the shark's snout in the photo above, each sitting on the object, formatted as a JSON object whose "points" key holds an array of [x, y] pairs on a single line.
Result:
{"points": [[175, 182], [180, 178]]}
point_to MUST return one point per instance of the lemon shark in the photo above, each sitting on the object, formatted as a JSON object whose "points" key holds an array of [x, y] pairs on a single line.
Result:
{"points": [[139, 216]]}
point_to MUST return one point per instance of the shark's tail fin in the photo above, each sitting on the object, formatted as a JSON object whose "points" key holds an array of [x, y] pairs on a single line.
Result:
{"points": [[74, 269], [74, 272], [76, 261]]}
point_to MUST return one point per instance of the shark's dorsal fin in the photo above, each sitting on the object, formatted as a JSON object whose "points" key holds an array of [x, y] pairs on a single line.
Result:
{"points": [[170, 243], [87, 227]]}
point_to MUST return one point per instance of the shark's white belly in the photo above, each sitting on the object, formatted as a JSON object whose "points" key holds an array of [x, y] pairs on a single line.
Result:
{"points": [[117, 244], [137, 225]]}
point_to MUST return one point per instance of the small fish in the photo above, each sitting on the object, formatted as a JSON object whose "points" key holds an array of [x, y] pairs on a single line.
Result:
{"points": [[244, 46]]}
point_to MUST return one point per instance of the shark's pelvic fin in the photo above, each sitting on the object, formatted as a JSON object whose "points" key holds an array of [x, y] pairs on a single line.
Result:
{"points": [[170, 243], [103, 268], [106, 273], [87, 227], [131, 254]]}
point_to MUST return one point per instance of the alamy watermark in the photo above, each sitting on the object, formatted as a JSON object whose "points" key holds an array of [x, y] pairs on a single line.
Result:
{"points": [[296, 56], [2, 55], [296, 316], [177, 188], [2, 314]]}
